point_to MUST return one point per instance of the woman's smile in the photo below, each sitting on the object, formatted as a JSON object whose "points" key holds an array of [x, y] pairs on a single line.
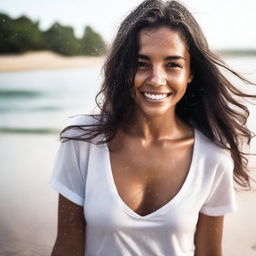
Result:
{"points": [[156, 97]]}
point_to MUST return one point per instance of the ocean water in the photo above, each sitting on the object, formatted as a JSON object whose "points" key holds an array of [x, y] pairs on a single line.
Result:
{"points": [[34, 105], [39, 101]]}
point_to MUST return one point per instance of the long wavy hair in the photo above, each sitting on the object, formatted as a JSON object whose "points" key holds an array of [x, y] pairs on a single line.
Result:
{"points": [[209, 102]]}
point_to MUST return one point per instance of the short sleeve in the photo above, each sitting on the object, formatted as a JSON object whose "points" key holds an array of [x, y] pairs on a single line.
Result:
{"points": [[70, 170], [221, 198]]}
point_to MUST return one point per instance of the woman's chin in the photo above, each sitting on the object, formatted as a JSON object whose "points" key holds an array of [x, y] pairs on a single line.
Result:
{"points": [[154, 111]]}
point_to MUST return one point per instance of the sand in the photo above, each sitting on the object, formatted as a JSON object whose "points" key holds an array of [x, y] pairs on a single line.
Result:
{"points": [[45, 60]]}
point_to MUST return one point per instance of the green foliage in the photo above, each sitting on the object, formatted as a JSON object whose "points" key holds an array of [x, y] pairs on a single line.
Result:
{"points": [[92, 43], [19, 35], [62, 40], [22, 34]]}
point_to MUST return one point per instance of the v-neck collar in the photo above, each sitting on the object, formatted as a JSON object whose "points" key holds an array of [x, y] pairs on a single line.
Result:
{"points": [[170, 203]]}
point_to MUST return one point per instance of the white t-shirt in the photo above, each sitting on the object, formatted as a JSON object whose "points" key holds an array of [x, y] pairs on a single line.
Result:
{"points": [[83, 174]]}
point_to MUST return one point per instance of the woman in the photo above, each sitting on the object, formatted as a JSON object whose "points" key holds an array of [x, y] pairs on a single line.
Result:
{"points": [[153, 173]]}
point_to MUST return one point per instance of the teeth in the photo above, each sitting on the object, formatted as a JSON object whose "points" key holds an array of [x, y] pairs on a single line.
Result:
{"points": [[155, 96]]}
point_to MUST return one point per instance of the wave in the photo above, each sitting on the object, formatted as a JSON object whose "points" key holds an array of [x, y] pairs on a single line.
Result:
{"points": [[21, 130], [7, 93], [26, 110]]}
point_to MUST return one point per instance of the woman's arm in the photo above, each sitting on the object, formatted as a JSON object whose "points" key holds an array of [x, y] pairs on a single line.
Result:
{"points": [[208, 235], [71, 229]]}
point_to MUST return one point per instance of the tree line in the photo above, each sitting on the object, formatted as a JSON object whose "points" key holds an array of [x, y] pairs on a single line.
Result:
{"points": [[22, 34]]}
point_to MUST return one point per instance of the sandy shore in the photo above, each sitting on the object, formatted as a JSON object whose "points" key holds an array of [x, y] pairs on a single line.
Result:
{"points": [[45, 60]]}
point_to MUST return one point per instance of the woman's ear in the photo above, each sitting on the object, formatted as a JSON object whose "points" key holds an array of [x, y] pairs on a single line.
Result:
{"points": [[190, 77]]}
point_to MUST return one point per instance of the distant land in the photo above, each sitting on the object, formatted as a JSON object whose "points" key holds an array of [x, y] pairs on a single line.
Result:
{"points": [[222, 52], [236, 52]]}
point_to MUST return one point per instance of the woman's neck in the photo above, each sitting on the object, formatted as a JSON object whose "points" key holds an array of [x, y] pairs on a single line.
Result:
{"points": [[155, 128]]}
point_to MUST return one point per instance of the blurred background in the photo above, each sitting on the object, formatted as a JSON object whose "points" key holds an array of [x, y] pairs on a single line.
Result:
{"points": [[51, 54]]}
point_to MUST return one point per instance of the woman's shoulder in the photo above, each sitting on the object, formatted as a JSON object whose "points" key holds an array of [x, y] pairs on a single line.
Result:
{"points": [[212, 152], [76, 126], [81, 120]]}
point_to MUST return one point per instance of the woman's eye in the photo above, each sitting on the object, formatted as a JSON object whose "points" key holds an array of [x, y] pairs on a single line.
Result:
{"points": [[142, 64], [174, 65]]}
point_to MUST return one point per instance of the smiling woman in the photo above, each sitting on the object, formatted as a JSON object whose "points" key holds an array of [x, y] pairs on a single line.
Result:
{"points": [[163, 71], [153, 173]]}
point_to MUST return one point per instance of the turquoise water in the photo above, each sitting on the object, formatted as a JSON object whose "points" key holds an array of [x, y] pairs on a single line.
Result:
{"points": [[39, 101]]}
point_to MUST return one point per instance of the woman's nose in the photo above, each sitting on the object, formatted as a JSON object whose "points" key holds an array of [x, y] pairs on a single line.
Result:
{"points": [[157, 77]]}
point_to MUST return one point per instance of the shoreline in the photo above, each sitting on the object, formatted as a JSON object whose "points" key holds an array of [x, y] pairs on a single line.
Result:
{"points": [[46, 60]]}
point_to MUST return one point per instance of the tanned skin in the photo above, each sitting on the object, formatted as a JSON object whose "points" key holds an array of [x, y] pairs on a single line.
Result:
{"points": [[71, 229]]}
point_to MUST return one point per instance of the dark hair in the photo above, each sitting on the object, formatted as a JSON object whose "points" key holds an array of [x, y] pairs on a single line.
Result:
{"points": [[209, 102]]}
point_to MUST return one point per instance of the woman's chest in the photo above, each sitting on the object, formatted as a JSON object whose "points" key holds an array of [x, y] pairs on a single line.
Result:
{"points": [[146, 179]]}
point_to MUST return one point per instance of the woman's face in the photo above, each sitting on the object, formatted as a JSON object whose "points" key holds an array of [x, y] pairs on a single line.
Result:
{"points": [[163, 71]]}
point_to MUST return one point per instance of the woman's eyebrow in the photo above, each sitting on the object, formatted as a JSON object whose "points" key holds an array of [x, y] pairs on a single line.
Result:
{"points": [[174, 57], [144, 57]]}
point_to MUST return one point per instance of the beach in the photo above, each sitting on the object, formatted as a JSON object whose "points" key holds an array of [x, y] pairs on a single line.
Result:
{"points": [[45, 60], [28, 216]]}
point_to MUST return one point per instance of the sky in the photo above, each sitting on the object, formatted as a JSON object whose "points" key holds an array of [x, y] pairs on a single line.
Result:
{"points": [[226, 23]]}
